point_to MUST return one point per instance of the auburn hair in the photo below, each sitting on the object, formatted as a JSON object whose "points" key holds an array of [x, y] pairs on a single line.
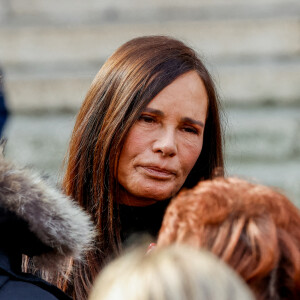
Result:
{"points": [[123, 87], [253, 228]]}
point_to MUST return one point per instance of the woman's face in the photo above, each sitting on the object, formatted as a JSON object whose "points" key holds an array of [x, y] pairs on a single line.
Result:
{"points": [[164, 144]]}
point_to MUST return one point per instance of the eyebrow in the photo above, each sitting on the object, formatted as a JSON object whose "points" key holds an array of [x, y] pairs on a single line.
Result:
{"points": [[154, 111], [161, 114], [190, 120]]}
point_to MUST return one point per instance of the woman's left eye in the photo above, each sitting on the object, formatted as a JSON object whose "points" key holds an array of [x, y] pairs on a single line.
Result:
{"points": [[190, 130]]}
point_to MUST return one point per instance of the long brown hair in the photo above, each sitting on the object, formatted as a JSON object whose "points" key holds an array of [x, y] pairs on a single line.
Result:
{"points": [[253, 228], [124, 86]]}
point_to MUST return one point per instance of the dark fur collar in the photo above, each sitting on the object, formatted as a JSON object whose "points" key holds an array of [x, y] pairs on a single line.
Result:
{"points": [[61, 227]]}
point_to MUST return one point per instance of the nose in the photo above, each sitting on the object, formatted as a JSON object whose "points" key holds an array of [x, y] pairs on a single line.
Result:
{"points": [[165, 144]]}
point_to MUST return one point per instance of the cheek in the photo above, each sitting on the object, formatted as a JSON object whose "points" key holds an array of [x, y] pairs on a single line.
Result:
{"points": [[135, 145], [190, 157]]}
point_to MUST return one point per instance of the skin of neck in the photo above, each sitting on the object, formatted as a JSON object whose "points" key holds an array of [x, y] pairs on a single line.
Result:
{"points": [[131, 200]]}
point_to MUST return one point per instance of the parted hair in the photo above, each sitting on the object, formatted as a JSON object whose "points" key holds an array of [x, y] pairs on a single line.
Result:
{"points": [[173, 273], [253, 228], [123, 87]]}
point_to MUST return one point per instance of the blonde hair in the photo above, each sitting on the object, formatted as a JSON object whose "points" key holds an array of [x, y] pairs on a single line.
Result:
{"points": [[172, 273]]}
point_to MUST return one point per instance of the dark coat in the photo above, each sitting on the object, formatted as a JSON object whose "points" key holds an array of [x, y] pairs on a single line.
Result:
{"points": [[15, 285], [40, 222]]}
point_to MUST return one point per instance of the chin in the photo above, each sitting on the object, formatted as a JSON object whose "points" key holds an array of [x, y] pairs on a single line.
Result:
{"points": [[158, 195]]}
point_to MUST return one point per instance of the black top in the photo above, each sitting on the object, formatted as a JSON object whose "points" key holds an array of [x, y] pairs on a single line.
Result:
{"points": [[141, 220], [16, 238], [15, 285]]}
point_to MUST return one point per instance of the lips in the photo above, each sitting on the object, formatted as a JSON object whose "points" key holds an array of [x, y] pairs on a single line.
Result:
{"points": [[157, 172]]}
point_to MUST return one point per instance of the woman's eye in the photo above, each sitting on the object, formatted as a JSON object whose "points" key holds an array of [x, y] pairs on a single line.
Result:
{"points": [[190, 130], [147, 119]]}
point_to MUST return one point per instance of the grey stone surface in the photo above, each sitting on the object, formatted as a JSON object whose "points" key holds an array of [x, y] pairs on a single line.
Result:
{"points": [[51, 50], [264, 144], [32, 11], [219, 39]]}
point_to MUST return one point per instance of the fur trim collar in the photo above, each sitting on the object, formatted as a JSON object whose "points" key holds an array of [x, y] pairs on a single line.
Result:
{"points": [[60, 224]]}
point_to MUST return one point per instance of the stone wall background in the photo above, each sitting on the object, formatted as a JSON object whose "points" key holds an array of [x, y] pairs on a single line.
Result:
{"points": [[51, 50]]}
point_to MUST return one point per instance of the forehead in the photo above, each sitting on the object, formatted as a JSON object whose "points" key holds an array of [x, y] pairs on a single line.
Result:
{"points": [[185, 95]]}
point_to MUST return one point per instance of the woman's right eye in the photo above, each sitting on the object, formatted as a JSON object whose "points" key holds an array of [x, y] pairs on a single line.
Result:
{"points": [[147, 119]]}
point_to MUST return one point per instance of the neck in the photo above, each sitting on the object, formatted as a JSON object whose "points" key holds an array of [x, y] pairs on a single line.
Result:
{"points": [[131, 200]]}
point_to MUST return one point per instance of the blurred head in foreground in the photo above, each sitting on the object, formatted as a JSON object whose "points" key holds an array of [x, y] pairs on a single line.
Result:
{"points": [[173, 273], [253, 228]]}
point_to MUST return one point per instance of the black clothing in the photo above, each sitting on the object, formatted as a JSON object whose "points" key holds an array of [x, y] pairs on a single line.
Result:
{"points": [[141, 220], [15, 285]]}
